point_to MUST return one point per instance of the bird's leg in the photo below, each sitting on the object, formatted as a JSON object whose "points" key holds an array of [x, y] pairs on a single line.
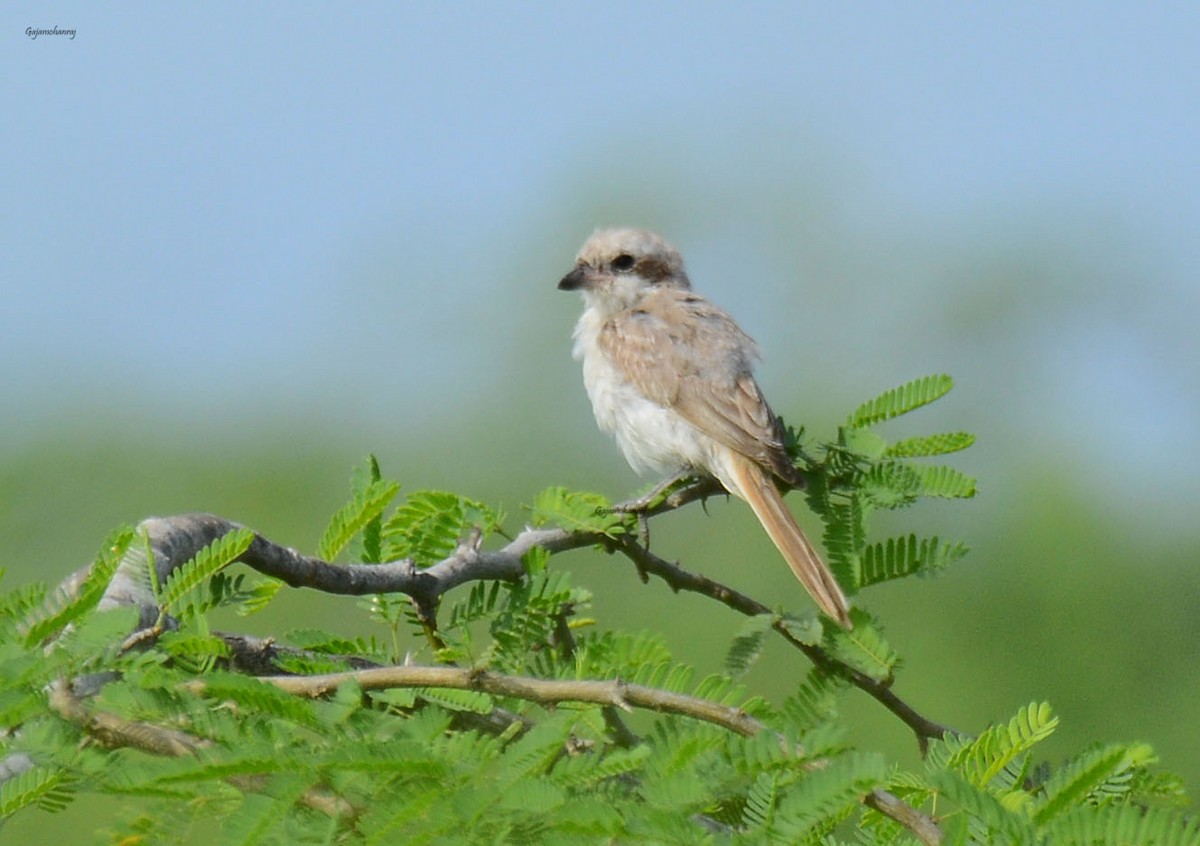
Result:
{"points": [[644, 505], [647, 500]]}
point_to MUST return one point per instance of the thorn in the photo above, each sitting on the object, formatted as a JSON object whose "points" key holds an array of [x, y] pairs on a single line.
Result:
{"points": [[618, 698], [473, 540]]}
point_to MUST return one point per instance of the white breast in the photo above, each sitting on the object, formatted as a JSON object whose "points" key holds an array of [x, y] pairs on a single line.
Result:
{"points": [[653, 438]]}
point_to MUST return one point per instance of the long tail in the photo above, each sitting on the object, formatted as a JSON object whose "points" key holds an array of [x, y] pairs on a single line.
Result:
{"points": [[764, 498]]}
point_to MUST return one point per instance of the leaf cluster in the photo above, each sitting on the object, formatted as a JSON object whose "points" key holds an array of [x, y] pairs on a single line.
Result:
{"points": [[990, 789], [193, 749]]}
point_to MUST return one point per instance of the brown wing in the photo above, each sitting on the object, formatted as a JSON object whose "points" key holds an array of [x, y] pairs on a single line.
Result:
{"points": [[683, 352]]}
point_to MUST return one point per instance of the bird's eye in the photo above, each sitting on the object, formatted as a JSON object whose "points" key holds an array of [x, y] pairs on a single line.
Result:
{"points": [[623, 262]]}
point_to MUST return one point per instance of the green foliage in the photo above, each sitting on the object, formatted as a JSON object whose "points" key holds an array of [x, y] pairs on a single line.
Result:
{"points": [[258, 596], [897, 558], [814, 703], [428, 525], [860, 472], [89, 593], [580, 512], [21, 604], [360, 515], [196, 653], [908, 397], [180, 594], [990, 755], [47, 788], [748, 644], [429, 765], [986, 790], [930, 445], [864, 647]]}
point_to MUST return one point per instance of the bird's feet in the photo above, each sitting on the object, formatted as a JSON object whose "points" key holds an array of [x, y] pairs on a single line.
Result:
{"points": [[672, 492], [655, 496]]}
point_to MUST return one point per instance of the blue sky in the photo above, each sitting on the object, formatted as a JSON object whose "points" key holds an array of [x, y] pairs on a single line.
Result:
{"points": [[223, 208]]}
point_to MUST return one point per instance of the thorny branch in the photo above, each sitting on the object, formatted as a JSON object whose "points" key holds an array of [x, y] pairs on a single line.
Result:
{"points": [[613, 693], [679, 579], [172, 541], [115, 731]]}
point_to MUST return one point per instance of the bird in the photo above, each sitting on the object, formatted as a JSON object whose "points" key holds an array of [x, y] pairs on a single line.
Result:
{"points": [[670, 376]]}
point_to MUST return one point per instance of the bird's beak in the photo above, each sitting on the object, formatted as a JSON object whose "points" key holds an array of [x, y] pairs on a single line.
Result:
{"points": [[581, 277]]}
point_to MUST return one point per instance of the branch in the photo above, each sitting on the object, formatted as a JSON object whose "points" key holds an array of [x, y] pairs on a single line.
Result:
{"points": [[114, 731], [542, 691], [173, 540], [260, 657], [679, 579], [891, 805], [549, 692]]}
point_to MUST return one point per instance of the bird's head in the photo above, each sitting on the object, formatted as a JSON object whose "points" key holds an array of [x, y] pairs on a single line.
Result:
{"points": [[616, 267]]}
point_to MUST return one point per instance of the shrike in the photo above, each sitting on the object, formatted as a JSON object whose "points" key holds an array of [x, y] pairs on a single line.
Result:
{"points": [[670, 376]]}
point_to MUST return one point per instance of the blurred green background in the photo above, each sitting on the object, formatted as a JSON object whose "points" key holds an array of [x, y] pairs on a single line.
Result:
{"points": [[244, 248]]}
